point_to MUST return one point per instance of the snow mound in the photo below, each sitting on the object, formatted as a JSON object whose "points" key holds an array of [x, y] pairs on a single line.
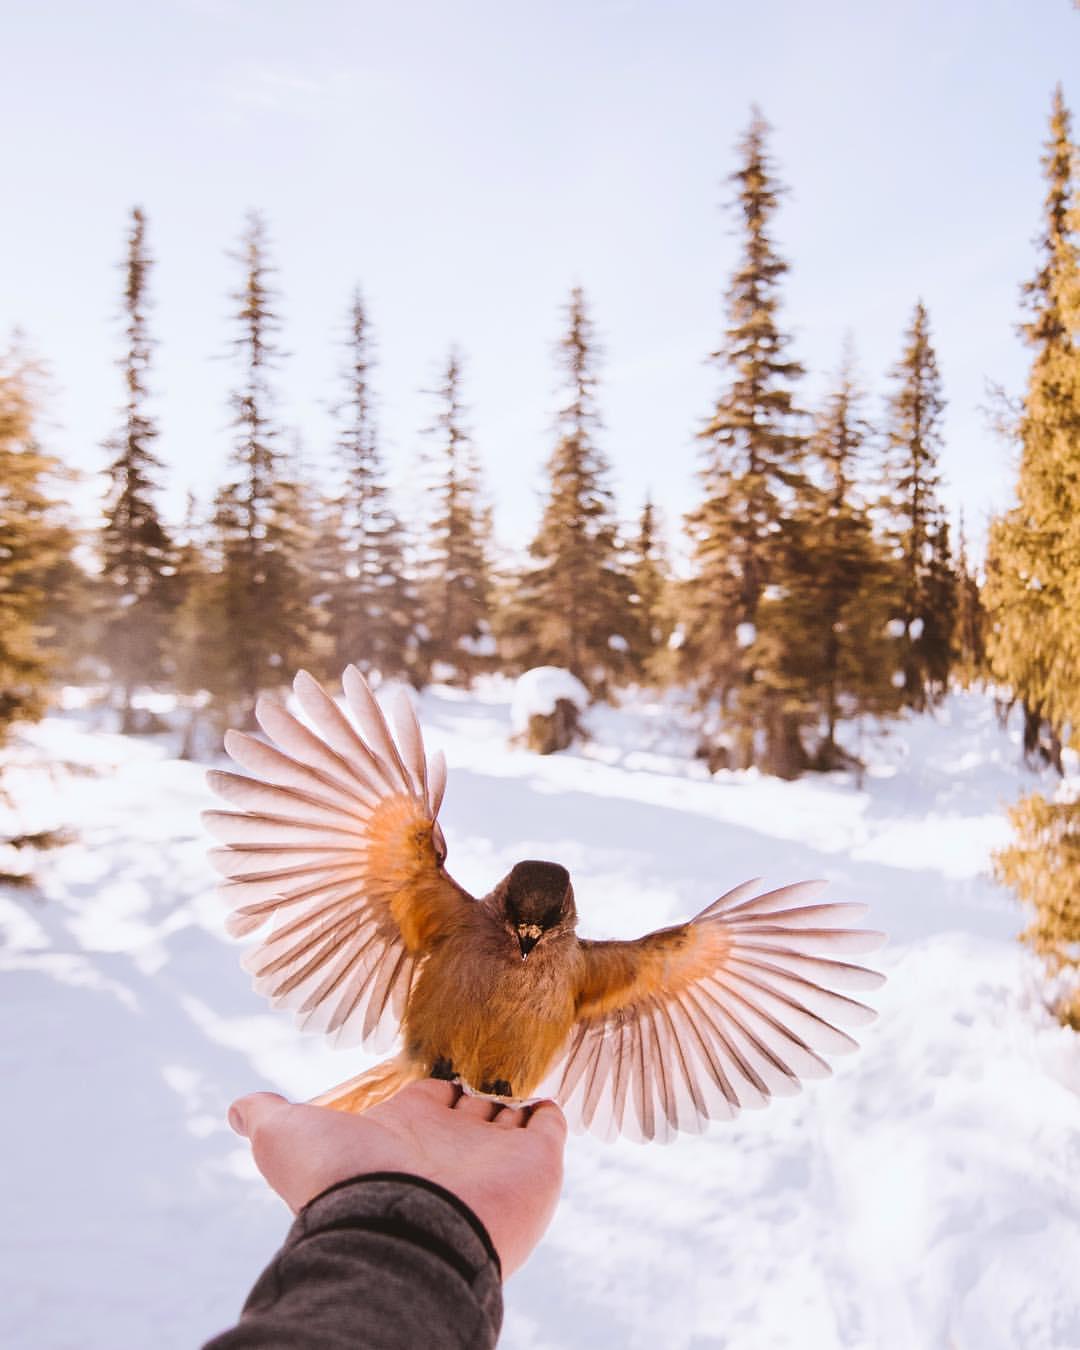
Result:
{"points": [[538, 690]]}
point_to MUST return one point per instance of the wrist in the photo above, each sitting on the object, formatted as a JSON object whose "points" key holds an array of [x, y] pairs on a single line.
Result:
{"points": [[325, 1205]]}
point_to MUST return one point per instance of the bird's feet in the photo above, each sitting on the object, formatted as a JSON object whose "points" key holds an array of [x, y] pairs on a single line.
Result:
{"points": [[499, 1088]]}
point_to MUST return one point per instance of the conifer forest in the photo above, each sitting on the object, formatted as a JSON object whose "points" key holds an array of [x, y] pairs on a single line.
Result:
{"points": [[820, 596], [824, 580]]}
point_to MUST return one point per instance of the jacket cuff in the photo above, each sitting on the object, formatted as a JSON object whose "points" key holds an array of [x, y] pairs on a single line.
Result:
{"points": [[415, 1210]]}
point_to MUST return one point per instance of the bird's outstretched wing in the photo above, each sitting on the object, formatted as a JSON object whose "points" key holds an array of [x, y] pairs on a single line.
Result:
{"points": [[691, 1023], [336, 842]]}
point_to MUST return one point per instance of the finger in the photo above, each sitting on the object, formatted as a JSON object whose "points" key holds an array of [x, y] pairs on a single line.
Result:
{"points": [[247, 1114], [546, 1118], [512, 1118], [436, 1090], [480, 1107]]}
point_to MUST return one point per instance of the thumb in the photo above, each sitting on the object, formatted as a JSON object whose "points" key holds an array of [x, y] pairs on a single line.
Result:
{"points": [[249, 1113], [547, 1119]]}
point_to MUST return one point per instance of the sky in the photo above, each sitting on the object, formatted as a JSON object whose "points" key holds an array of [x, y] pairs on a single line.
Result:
{"points": [[467, 164]]}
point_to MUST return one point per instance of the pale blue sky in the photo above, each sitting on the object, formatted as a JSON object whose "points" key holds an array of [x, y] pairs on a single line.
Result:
{"points": [[467, 163]]}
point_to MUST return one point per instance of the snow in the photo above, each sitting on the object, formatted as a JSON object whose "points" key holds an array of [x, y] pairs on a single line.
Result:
{"points": [[745, 634], [925, 1196], [483, 644], [537, 692]]}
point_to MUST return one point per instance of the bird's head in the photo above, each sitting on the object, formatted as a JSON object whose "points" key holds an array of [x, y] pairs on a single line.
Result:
{"points": [[536, 901]]}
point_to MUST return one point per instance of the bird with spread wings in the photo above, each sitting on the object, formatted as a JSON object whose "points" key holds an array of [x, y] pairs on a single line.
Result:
{"points": [[335, 843]]}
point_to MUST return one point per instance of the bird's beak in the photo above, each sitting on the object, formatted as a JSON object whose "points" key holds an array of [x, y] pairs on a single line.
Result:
{"points": [[527, 941]]}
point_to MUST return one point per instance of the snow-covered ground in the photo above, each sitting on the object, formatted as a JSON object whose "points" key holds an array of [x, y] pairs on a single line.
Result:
{"points": [[927, 1196]]}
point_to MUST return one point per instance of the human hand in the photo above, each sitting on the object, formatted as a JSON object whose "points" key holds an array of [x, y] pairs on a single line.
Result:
{"points": [[505, 1164]]}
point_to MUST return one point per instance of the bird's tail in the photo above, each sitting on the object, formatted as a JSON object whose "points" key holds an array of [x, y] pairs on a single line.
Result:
{"points": [[372, 1086]]}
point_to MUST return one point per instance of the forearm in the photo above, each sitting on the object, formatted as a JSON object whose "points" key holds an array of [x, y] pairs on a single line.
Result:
{"points": [[381, 1262]]}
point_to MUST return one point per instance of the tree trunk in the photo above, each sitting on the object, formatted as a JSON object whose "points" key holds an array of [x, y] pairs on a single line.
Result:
{"points": [[785, 755]]}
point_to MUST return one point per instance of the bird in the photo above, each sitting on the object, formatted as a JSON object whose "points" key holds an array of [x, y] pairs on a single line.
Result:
{"points": [[333, 848]]}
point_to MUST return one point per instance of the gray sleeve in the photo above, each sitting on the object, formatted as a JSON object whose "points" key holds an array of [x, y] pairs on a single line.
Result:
{"points": [[384, 1261]]}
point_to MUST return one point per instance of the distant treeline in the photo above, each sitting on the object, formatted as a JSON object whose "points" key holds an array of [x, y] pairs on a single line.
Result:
{"points": [[824, 580]]}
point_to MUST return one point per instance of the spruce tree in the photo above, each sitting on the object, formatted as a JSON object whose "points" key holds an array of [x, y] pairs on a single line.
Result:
{"points": [[573, 606], [651, 595], [1032, 580], [457, 587], [71, 619], [969, 636], [923, 590], [372, 602], [264, 593], [1042, 866], [34, 540], [294, 522], [831, 608], [136, 560], [943, 591], [326, 564], [1032, 588], [754, 448], [199, 644]]}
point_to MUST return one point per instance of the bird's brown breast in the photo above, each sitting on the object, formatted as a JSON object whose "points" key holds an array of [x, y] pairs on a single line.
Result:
{"points": [[495, 1018]]}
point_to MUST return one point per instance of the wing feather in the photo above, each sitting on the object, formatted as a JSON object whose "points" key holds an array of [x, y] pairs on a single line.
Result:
{"points": [[373, 725], [388, 972], [257, 862], [411, 741], [592, 1078], [326, 911], [300, 743], [318, 1002], [357, 978], [248, 918], [275, 767], [298, 803], [261, 896], [723, 1013], [340, 734], [765, 1067], [735, 902], [693, 1109], [837, 974], [246, 827], [332, 843], [436, 781], [709, 1047]]}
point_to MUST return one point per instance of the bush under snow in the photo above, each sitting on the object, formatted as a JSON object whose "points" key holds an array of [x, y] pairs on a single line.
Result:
{"points": [[538, 691]]}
